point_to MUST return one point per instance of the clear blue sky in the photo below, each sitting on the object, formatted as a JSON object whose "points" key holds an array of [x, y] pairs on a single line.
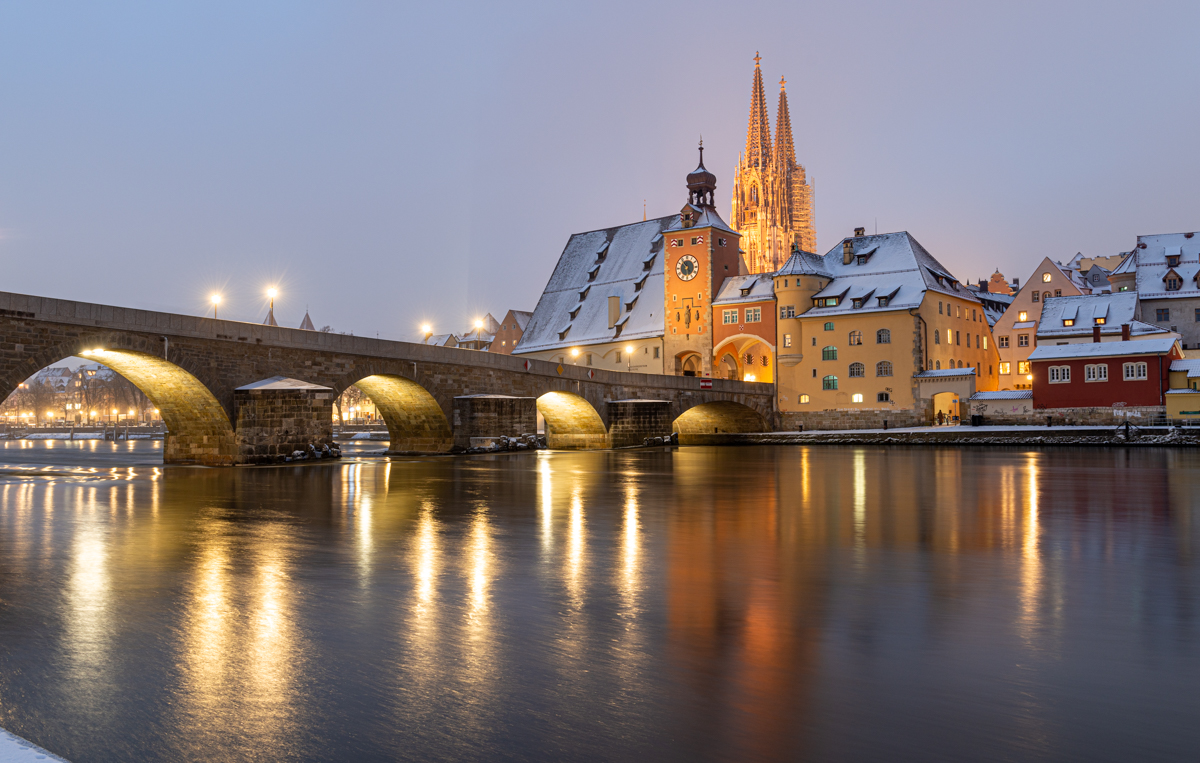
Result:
{"points": [[391, 163]]}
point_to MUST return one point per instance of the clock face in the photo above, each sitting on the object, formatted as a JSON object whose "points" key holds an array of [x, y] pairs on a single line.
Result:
{"points": [[687, 267]]}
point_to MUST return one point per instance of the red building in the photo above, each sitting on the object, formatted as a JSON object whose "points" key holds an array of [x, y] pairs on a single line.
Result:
{"points": [[1102, 374]]}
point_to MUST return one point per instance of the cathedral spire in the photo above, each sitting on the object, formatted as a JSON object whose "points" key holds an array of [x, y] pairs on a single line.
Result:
{"points": [[758, 135], [785, 150]]}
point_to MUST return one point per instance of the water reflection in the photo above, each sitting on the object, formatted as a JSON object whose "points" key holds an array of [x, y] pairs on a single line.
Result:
{"points": [[696, 604]]}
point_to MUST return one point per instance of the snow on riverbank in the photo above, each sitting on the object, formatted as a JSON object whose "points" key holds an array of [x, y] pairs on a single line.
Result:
{"points": [[14, 749]]}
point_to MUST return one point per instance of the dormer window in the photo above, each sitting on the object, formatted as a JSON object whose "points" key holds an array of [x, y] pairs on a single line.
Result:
{"points": [[1172, 260], [831, 301], [1068, 321], [1101, 321], [862, 259], [883, 301], [745, 292], [1174, 284], [858, 303]]}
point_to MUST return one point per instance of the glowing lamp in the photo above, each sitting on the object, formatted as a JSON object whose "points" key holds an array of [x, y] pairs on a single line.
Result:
{"points": [[629, 350], [216, 299], [1029, 377], [272, 292], [478, 325], [426, 329], [574, 352], [750, 377]]}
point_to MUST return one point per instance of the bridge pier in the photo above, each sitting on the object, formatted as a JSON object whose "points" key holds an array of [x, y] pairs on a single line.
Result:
{"points": [[277, 416], [480, 418], [630, 422]]}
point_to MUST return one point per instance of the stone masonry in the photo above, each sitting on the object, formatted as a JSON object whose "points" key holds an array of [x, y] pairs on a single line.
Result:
{"points": [[478, 418], [198, 363], [273, 420]]}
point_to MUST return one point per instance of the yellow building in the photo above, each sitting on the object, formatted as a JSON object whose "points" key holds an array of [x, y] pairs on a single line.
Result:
{"points": [[1016, 330], [877, 330]]}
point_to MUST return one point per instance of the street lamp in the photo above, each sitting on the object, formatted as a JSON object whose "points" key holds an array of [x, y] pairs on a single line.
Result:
{"points": [[216, 300], [629, 357], [427, 331]]}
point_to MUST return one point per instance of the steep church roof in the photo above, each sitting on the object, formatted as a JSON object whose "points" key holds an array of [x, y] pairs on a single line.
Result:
{"points": [[785, 150], [758, 134], [307, 324]]}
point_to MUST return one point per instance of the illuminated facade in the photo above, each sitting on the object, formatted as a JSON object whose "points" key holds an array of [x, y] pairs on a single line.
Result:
{"points": [[772, 199]]}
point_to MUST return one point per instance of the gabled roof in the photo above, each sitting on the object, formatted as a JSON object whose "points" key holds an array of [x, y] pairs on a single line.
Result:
{"points": [[1116, 308], [761, 289], [519, 317], [1191, 365], [1104, 349], [703, 216], [281, 382], [573, 310], [1150, 264], [307, 324], [897, 266]]}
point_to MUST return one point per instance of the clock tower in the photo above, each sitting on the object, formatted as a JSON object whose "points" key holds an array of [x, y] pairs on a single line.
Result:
{"points": [[701, 252]]}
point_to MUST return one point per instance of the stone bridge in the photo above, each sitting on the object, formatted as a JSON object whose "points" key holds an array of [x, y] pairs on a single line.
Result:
{"points": [[433, 399]]}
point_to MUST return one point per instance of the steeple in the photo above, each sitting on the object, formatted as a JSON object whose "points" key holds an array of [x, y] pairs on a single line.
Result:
{"points": [[701, 183], [785, 150], [758, 135]]}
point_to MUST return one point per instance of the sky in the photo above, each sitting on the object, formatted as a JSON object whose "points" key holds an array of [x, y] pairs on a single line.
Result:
{"points": [[389, 164]]}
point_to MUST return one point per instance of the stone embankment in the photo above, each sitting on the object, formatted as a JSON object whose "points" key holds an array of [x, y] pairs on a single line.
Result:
{"points": [[1157, 436]]}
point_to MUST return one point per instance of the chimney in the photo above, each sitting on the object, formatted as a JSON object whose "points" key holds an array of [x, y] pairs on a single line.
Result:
{"points": [[847, 251], [1095, 333], [983, 286], [1124, 332], [860, 232], [1016, 284]]}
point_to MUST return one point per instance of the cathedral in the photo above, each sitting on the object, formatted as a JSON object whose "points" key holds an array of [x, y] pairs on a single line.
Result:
{"points": [[772, 200]]}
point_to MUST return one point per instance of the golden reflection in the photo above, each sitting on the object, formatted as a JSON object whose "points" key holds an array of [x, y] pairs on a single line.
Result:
{"points": [[426, 558], [208, 627], [630, 549], [1031, 562], [860, 498], [575, 540], [89, 625], [480, 561], [545, 490]]}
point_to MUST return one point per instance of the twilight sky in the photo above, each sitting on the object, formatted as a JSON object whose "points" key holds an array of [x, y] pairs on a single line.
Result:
{"points": [[388, 163]]}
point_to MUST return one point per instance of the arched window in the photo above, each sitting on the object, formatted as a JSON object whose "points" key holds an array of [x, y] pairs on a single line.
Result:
{"points": [[883, 397], [883, 368], [857, 370], [856, 398], [883, 336], [960, 364], [753, 194], [829, 353], [937, 337], [829, 326], [1045, 296], [855, 337], [937, 364], [829, 382]]}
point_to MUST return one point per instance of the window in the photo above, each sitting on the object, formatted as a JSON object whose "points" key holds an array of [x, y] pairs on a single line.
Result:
{"points": [[858, 304], [937, 337], [883, 368], [1058, 292], [1060, 374], [1002, 341], [1096, 373], [721, 242], [1135, 371], [1174, 284], [883, 336], [855, 338], [985, 345], [656, 352], [829, 326], [937, 364], [814, 341], [1005, 369], [753, 314], [804, 398], [1023, 367], [787, 311], [958, 311], [1045, 296], [618, 356], [949, 336], [1035, 296], [1172, 260], [883, 301], [1101, 321], [676, 242], [589, 358], [787, 340], [883, 397], [857, 370], [1163, 314], [1045, 278], [958, 337], [856, 398], [1022, 340], [1022, 316], [829, 353], [829, 382], [729, 316], [1068, 321], [1198, 315], [939, 308]]}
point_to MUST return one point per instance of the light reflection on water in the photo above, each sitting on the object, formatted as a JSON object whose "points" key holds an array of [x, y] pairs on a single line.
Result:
{"points": [[697, 604]]}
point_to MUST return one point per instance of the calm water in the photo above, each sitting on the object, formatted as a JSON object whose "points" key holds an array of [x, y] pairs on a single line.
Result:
{"points": [[801, 603]]}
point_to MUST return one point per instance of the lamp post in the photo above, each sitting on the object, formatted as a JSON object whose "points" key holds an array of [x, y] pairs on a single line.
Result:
{"points": [[426, 331], [629, 358], [216, 300]]}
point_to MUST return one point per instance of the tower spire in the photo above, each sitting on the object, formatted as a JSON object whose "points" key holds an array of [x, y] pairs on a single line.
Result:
{"points": [[758, 134], [785, 150]]}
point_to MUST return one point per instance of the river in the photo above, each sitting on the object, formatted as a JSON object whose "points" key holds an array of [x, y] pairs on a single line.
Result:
{"points": [[750, 603]]}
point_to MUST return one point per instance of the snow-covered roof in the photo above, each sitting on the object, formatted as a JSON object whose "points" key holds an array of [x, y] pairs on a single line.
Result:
{"points": [[803, 263], [1191, 365], [1183, 392], [758, 287], [573, 309], [1150, 262], [442, 340], [1007, 394], [942, 373], [281, 382], [1104, 349], [307, 324], [1115, 308], [895, 266], [1128, 265], [520, 317], [703, 216]]}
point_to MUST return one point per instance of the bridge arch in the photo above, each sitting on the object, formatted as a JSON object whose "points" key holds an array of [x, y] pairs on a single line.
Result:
{"points": [[706, 422], [571, 422], [416, 422], [198, 427]]}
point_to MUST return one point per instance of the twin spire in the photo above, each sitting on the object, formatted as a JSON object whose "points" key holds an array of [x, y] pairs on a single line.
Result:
{"points": [[759, 151]]}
